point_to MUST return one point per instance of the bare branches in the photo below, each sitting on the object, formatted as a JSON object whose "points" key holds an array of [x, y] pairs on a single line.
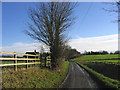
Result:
{"points": [[48, 23], [115, 9]]}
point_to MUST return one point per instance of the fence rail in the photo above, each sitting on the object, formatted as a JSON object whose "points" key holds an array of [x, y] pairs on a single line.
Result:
{"points": [[15, 59], [17, 53]]}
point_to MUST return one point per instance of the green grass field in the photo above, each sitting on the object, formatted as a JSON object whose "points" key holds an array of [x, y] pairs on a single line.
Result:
{"points": [[110, 59], [34, 77], [97, 57]]}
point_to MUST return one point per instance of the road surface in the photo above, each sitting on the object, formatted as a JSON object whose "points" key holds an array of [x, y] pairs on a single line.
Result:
{"points": [[78, 78]]}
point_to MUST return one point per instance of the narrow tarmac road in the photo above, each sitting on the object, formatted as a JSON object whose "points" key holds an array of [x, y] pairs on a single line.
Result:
{"points": [[78, 78]]}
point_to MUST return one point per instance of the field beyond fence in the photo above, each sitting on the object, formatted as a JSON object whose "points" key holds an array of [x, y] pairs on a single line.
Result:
{"points": [[16, 59]]}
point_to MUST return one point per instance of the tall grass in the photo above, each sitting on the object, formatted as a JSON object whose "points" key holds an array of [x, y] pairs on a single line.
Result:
{"points": [[34, 77]]}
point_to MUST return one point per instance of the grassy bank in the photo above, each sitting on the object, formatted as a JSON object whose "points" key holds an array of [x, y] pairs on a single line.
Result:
{"points": [[34, 77]]}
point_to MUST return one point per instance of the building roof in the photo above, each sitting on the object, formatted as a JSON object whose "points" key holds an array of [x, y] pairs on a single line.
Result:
{"points": [[33, 53]]}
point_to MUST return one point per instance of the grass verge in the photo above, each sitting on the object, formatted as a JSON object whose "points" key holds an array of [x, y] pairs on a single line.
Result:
{"points": [[34, 77]]}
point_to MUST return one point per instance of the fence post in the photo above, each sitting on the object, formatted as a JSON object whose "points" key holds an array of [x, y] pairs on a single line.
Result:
{"points": [[45, 60], [41, 61], [15, 62], [34, 60], [50, 62], [27, 62]]}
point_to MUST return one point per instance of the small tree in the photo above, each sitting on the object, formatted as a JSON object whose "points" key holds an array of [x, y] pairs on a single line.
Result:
{"points": [[49, 21]]}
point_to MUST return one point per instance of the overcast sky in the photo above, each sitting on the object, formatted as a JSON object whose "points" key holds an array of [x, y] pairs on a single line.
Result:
{"points": [[94, 28]]}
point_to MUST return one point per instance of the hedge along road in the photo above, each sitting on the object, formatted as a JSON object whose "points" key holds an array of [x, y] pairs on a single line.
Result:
{"points": [[78, 78]]}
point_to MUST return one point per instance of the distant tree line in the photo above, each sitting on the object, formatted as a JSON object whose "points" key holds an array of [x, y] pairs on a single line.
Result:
{"points": [[116, 52], [100, 52], [70, 53]]}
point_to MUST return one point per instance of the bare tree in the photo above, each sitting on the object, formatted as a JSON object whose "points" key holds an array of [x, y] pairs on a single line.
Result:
{"points": [[114, 8], [118, 5], [49, 21]]}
